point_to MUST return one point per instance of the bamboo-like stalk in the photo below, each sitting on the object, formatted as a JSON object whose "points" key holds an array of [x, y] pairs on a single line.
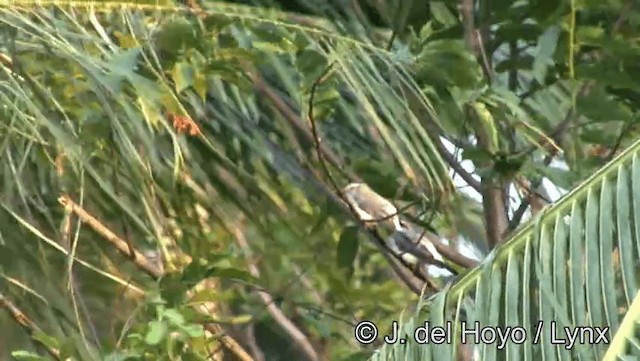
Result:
{"points": [[147, 266]]}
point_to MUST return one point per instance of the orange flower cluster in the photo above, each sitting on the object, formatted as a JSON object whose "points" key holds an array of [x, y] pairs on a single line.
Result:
{"points": [[184, 124]]}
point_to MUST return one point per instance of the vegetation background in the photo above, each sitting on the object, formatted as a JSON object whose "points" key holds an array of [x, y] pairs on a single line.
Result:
{"points": [[168, 175]]}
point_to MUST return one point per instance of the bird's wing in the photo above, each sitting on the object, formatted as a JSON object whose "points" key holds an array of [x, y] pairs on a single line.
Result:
{"points": [[405, 244], [423, 237]]}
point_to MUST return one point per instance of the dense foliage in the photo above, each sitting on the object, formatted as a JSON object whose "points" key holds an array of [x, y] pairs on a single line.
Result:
{"points": [[170, 175]]}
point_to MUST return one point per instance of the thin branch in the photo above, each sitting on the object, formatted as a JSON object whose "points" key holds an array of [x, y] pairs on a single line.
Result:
{"points": [[434, 133], [391, 257], [263, 88], [122, 246], [307, 284], [316, 136], [457, 167], [258, 355], [625, 131], [310, 307], [451, 254], [299, 338], [27, 324], [466, 10], [555, 136], [391, 39], [144, 264], [486, 65], [398, 212], [228, 342], [519, 213]]}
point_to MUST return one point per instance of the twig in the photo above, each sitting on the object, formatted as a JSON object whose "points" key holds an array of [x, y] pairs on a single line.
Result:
{"points": [[27, 324], [297, 123], [228, 342], [136, 257], [391, 39], [144, 264], [316, 137], [519, 213], [434, 133], [287, 325], [625, 130], [391, 257], [466, 10], [307, 284], [463, 129], [310, 307], [555, 136], [398, 212], [258, 355], [485, 60], [451, 254], [457, 167]]}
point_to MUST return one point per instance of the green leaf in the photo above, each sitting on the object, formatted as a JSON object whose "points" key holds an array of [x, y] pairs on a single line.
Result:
{"points": [[238, 320], [46, 340], [27, 356], [442, 14], [193, 331], [476, 155], [183, 75], [560, 177], [124, 355], [590, 35], [600, 106], [175, 36], [377, 174], [200, 84], [310, 63], [347, 248], [355, 356], [508, 165], [547, 43], [447, 63], [173, 315], [156, 333], [195, 272], [124, 63], [230, 273]]}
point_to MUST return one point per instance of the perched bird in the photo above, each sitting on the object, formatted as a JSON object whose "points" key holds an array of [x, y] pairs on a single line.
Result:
{"points": [[406, 242], [372, 207], [417, 252]]}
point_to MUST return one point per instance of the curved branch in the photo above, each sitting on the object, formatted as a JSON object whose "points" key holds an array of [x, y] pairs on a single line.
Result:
{"points": [[286, 111], [146, 265], [27, 324], [401, 272], [434, 133], [122, 246], [287, 325]]}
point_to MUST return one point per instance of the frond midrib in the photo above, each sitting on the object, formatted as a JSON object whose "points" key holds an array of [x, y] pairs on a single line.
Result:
{"points": [[519, 238]]}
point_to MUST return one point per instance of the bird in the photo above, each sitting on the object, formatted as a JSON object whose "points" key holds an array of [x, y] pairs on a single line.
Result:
{"points": [[406, 242], [370, 206], [417, 252]]}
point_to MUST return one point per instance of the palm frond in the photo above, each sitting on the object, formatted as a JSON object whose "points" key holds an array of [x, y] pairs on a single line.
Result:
{"points": [[573, 267]]}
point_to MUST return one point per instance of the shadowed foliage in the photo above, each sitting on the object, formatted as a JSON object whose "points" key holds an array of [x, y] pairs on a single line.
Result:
{"points": [[170, 176]]}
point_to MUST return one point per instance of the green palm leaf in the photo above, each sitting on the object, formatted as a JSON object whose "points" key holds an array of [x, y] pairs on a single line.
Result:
{"points": [[574, 265]]}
